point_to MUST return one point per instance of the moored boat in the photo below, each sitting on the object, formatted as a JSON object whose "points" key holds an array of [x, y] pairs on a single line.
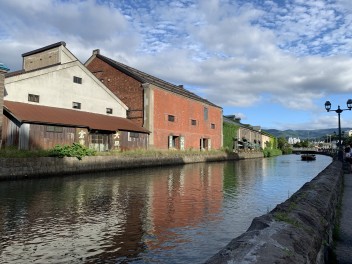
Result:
{"points": [[308, 157]]}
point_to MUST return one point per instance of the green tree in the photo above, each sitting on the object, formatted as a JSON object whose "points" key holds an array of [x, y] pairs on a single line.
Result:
{"points": [[283, 145], [305, 143]]}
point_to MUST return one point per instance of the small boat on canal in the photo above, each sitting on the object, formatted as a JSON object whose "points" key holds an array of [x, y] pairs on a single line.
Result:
{"points": [[308, 157]]}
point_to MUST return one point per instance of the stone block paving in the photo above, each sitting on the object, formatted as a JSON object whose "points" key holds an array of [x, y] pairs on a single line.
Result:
{"points": [[344, 243]]}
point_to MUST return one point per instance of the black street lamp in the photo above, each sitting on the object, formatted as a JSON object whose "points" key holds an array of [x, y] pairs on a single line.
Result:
{"points": [[339, 111]]}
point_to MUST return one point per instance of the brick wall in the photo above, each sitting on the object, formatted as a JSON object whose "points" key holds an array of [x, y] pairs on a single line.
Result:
{"points": [[127, 89], [185, 110], [164, 103]]}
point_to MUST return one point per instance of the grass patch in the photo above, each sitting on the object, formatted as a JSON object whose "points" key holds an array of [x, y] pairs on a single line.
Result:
{"points": [[12, 152], [283, 217]]}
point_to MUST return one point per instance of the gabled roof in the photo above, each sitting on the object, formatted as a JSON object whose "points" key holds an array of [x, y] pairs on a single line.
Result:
{"points": [[19, 72], [146, 78], [226, 119], [38, 114]]}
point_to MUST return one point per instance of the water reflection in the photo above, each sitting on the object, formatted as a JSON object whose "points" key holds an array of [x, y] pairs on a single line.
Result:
{"points": [[181, 214]]}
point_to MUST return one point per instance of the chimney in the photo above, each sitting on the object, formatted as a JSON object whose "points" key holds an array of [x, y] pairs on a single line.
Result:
{"points": [[96, 51], [3, 70]]}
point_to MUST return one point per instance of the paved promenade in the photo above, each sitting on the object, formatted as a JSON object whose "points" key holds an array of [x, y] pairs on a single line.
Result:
{"points": [[344, 244]]}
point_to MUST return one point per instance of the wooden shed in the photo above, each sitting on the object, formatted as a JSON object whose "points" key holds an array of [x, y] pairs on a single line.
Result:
{"points": [[30, 126]]}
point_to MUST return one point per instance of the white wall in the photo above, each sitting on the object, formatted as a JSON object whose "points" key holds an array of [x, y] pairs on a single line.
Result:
{"points": [[56, 88]]}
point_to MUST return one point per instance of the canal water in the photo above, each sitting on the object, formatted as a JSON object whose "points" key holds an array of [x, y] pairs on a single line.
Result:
{"points": [[178, 214]]}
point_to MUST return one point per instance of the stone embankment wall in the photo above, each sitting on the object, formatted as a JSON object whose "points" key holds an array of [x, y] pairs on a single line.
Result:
{"points": [[16, 168], [296, 231]]}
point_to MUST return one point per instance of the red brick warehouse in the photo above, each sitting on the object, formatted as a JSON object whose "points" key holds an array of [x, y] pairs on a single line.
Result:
{"points": [[176, 117]]}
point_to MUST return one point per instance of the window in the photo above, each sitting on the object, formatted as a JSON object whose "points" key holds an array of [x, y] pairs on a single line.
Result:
{"points": [[205, 113], [212, 126], [193, 122], [76, 105], [134, 135], [33, 98], [109, 110], [55, 129], [97, 138], [171, 118], [77, 79]]}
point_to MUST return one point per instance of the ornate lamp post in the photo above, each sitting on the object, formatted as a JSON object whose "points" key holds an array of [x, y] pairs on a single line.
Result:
{"points": [[339, 111]]}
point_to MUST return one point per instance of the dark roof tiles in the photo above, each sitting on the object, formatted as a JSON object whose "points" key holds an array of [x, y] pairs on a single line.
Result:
{"points": [[55, 45], [147, 78]]}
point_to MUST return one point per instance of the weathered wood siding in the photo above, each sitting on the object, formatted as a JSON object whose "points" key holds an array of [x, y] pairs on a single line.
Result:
{"points": [[41, 138], [37, 136], [10, 133], [34, 136], [127, 141]]}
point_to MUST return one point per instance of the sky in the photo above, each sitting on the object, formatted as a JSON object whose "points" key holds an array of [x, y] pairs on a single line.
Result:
{"points": [[273, 63]]}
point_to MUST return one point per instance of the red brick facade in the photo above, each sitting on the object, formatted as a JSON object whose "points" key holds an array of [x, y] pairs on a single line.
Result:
{"points": [[126, 88], [175, 120], [184, 111]]}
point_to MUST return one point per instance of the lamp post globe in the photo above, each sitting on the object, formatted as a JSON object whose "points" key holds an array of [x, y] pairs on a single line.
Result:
{"points": [[339, 111]]}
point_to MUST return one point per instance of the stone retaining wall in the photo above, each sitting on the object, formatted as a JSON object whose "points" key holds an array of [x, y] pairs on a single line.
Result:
{"points": [[15, 168], [296, 231]]}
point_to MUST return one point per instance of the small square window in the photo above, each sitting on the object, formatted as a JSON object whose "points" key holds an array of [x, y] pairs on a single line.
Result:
{"points": [[134, 135], [193, 122], [212, 126], [77, 79], [76, 105], [171, 118], [109, 110], [55, 129], [33, 98]]}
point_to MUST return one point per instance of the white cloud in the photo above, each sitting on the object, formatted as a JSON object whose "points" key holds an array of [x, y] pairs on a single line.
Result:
{"points": [[234, 53]]}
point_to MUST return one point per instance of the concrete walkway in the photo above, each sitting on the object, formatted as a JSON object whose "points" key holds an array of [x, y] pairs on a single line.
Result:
{"points": [[344, 243]]}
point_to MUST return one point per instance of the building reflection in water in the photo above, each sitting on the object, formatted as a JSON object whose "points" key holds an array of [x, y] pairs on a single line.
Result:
{"points": [[105, 216], [182, 213]]}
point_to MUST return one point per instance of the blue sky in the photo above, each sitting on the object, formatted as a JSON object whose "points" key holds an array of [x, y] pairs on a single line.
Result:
{"points": [[273, 63]]}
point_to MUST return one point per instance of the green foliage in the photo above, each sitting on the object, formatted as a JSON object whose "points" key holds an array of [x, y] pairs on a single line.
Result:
{"points": [[283, 145], [75, 150], [229, 132], [269, 152], [347, 141], [302, 144], [286, 151], [268, 144], [284, 217], [13, 152]]}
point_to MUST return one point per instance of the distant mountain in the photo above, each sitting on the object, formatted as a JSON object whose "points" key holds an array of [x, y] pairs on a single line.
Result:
{"points": [[305, 134]]}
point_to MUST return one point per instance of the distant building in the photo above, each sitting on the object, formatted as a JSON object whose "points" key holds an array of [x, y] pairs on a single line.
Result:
{"points": [[246, 136], [348, 133], [293, 141]]}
